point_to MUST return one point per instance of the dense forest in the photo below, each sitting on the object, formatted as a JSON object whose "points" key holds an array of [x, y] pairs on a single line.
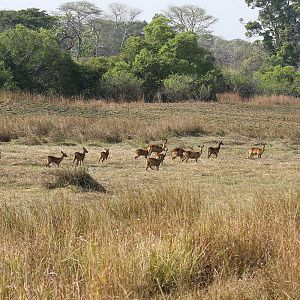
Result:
{"points": [[86, 52]]}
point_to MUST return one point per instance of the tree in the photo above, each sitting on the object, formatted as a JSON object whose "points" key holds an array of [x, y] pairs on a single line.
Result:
{"points": [[36, 61], [77, 17], [279, 25], [123, 16], [158, 32], [162, 52], [189, 18], [32, 18]]}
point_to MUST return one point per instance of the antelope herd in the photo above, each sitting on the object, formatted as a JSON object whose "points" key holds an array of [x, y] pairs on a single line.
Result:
{"points": [[155, 154]]}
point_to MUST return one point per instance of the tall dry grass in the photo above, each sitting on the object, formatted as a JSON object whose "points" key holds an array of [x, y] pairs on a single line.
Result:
{"points": [[152, 244], [232, 98], [37, 119]]}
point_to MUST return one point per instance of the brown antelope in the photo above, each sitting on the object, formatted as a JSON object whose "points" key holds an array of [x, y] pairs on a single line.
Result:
{"points": [[214, 150], [156, 148], [178, 152], [55, 160], [187, 154], [104, 155], [256, 151], [161, 156], [79, 157], [141, 152], [154, 162]]}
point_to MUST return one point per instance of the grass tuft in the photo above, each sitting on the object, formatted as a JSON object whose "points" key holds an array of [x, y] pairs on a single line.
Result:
{"points": [[80, 177]]}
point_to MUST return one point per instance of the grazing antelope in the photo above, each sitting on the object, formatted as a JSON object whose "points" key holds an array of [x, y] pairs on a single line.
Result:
{"points": [[79, 157], [187, 154], [178, 152], [141, 152], [161, 156], [214, 150], [256, 151], [104, 155], [154, 162], [55, 160], [156, 148]]}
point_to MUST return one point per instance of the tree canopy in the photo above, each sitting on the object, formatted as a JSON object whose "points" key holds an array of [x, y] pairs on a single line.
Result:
{"points": [[279, 25]]}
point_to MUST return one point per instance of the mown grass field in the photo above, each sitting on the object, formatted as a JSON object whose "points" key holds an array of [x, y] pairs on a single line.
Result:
{"points": [[225, 228]]}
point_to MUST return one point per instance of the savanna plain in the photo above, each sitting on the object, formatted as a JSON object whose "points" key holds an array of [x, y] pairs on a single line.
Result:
{"points": [[225, 228]]}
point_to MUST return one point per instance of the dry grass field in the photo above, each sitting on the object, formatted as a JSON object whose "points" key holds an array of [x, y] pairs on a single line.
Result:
{"points": [[225, 228]]}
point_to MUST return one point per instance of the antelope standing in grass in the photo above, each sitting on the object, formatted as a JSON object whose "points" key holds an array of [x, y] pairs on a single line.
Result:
{"points": [[56, 160], [79, 157], [156, 148], [214, 150], [104, 155], [161, 156], [189, 154], [141, 152], [256, 151], [178, 152], [155, 162]]}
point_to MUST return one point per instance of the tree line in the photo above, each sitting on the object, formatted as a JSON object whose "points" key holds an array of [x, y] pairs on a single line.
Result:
{"points": [[84, 51]]}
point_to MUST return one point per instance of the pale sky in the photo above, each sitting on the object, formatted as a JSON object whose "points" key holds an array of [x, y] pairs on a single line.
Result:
{"points": [[228, 12]]}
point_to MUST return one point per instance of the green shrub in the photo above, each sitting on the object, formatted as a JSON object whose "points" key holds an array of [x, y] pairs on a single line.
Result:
{"points": [[121, 85], [278, 80], [240, 82]]}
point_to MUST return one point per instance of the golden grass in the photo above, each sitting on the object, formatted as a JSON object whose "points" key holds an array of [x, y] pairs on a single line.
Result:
{"points": [[225, 228], [151, 244]]}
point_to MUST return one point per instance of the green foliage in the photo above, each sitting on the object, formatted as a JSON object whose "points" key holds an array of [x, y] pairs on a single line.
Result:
{"points": [[240, 82], [179, 87], [91, 72], [120, 84], [6, 78], [158, 32], [278, 80], [182, 55], [278, 24], [162, 53], [36, 61], [31, 18]]}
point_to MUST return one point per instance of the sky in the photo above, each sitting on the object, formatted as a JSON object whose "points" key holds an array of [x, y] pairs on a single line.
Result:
{"points": [[228, 12]]}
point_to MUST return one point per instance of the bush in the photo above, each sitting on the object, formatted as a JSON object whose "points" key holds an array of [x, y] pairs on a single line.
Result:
{"points": [[240, 82], [278, 80], [36, 62], [121, 85], [178, 87], [6, 78]]}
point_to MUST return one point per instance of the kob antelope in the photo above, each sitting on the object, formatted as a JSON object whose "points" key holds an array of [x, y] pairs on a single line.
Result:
{"points": [[55, 160], [178, 152], [188, 154], [256, 151], [214, 150], [104, 155], [141, 152], [154, 162], [161, 156], [156, 148], [79, 157]]}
